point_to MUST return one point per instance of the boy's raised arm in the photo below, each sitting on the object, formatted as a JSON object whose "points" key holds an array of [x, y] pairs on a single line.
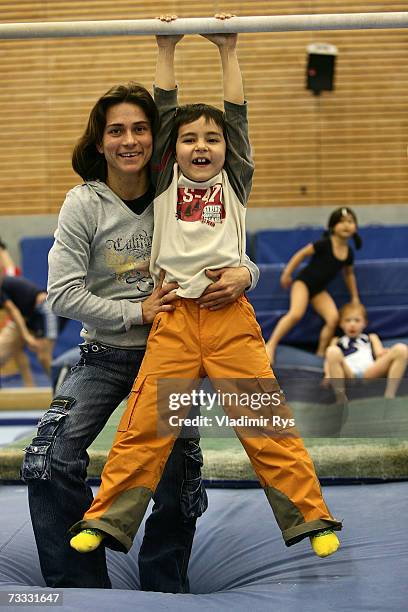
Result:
{"points": [[165, 97], [231, 72], [165, 76]]}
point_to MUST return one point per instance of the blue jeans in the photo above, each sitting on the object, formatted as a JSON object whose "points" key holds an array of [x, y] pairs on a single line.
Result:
{"points": [[55, 466]]}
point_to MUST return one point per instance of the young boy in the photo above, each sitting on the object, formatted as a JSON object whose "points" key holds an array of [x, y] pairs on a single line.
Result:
{"points": [[359, 355], [205, 176]]}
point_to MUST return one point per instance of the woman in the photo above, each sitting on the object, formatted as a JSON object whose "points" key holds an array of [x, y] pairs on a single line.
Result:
{"points": [[98, 273]]}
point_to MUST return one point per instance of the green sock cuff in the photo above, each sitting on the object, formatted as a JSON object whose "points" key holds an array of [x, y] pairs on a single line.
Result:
{"points": [[94, 532], [322, 533]]}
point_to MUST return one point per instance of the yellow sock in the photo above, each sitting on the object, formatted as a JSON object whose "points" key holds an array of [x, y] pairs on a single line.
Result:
{"points": [[87, 540], [325, 543]]}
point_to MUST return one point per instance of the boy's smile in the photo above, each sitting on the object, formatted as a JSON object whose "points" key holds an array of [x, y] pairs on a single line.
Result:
{"points": [[200, 149]]}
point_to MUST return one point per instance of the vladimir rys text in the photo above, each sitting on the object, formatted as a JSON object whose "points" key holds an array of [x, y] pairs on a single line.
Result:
{"points": [[236, 402]]}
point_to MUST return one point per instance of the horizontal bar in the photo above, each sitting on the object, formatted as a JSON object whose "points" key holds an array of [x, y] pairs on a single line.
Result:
{"points": [[205, 25]]}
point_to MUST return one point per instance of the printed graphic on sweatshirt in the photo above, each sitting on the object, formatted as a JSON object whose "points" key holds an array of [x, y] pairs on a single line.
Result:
{"points": [[204, 205], [129, 260]]}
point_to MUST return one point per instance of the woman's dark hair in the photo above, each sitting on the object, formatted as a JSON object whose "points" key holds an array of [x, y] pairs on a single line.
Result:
{"points": [[336, 217], [86, 159], [191, 112]]}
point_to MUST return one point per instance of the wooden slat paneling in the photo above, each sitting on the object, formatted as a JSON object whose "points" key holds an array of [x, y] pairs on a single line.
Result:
{"points": [[344, 147]]}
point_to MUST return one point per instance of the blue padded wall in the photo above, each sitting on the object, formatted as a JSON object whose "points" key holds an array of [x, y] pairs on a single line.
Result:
{"points": [[278, 246], [383, 287], [379, 242], [382, 281], [34, 258], [34, 266]]}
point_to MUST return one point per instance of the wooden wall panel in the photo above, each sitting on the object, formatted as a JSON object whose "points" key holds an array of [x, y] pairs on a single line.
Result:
{"points": [[344, 147]]}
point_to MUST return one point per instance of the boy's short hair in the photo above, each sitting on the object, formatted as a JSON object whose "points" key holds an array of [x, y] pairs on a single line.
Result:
{"points": [[350, 307], [191, 112]]}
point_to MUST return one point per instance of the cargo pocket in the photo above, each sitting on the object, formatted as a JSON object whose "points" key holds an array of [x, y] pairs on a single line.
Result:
{"points": [[51, 420], [194, 501], [126, 418], [36, 464], [37, 459]]}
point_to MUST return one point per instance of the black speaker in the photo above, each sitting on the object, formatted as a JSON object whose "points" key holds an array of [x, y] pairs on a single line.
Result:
{"points": [[321, 62]]}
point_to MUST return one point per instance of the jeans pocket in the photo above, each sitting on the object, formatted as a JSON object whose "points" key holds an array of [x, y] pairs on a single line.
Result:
{"points": [[36, 464], [50, 422], [52, 419], [37, 460], [194, 500]]}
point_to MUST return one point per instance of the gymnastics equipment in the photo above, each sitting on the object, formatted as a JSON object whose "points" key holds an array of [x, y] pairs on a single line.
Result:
{"points": [[239, 561], [205, 25]]}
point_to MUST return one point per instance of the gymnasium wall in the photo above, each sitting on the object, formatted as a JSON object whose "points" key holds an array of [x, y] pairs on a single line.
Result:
{"points": [[343, 147]]}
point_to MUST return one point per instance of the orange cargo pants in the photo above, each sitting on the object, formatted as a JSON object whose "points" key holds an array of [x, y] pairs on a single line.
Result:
{"points": [[190, 343]]}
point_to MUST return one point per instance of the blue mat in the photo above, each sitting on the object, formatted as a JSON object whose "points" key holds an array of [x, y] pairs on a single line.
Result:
{"points": [[383, 289], [379, 242], [239, 561]]}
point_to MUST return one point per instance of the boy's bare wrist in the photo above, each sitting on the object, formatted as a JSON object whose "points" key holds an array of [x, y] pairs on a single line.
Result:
{"points": [[167, 50], [227, 52]]}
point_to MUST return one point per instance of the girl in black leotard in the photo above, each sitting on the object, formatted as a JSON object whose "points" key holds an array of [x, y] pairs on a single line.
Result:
{"points": [[328, 256]]}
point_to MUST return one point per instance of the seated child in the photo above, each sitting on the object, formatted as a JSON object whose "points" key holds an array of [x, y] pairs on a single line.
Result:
{"points": [[360, 355], [204, 183]]}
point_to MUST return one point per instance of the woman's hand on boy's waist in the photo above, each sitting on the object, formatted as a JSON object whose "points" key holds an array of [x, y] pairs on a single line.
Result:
{"points": [[228, 284]]}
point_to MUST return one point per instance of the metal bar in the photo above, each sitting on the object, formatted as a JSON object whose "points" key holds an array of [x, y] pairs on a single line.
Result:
{"points": [[206, 25]]}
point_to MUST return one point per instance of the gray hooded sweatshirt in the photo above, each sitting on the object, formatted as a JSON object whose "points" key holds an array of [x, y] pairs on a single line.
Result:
{"points": [[99, 265]]}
